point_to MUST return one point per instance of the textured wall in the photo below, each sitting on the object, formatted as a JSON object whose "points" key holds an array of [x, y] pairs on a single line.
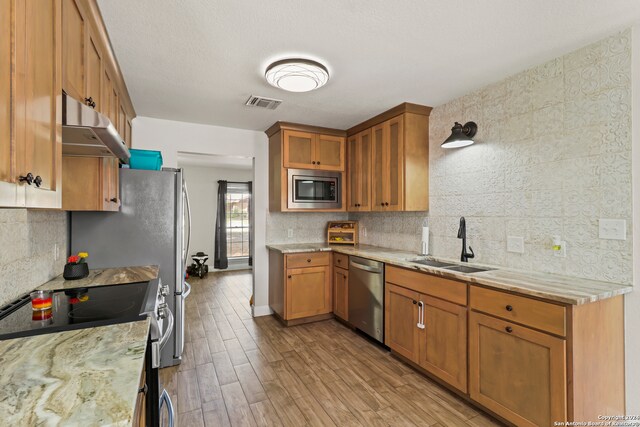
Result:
{"points": [[307, 227], [27, 239], [553, 155]]}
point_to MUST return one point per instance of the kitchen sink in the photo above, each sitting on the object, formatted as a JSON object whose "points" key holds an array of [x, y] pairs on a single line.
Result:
{"points": [[431, 263], [467, 269]]}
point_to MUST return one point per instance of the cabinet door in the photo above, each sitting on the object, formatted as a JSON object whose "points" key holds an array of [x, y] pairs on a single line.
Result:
{"points": [[38, 113], [329, 152], [127, 133], [73, 49], [110, 197], [122, 121], [443, 341], [107, 94], [401, 319], [83, 182], [364, 170], [353, 174], [94, 73], [114, 109], [394, 150], [299, 150], [341, 293], [380, 169], [9, 189], [308, 292], [516, 372]]}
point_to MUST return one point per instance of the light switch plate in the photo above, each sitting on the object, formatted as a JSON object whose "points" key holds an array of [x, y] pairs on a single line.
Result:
{"points": [[515, 244], [612, 229]]}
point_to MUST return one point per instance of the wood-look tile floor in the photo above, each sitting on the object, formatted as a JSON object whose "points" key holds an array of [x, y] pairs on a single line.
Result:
{"points": [[241, 371]]}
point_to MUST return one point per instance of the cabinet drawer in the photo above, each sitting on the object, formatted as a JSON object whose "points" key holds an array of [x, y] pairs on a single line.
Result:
{"points": [[308, 259], [340, 260], [446, 289], [537, 314]]}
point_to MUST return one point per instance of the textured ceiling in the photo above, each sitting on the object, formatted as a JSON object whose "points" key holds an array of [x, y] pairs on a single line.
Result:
{"points": [[199, 60]]}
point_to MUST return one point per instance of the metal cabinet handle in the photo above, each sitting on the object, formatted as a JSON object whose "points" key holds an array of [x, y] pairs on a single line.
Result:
{"points": [[509, 308], [317, 163], [381, 203], [114, 200], [90, 102], [386, 203], [508, 329], [313, 163], [38, 181], [415, 302], [420, 324], [28, 178], [308, 260], [289, 276]]}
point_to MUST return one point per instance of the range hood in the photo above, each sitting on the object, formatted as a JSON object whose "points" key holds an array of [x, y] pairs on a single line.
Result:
{"points": [[87, 133]]}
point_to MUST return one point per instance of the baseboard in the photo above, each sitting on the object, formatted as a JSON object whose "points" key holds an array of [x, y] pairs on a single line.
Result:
{"points": [[261, 310]]}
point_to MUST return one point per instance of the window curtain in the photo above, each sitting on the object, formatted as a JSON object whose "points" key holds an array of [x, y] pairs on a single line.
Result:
{"points": [[250, 186], [220, 259]]}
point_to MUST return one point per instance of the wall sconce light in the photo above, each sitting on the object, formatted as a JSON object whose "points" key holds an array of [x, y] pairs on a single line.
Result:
{"points": [[461, 136]]}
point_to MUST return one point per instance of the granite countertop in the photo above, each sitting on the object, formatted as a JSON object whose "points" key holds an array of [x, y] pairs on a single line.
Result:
{"points": [[105, 277], [552, 287], [81, 377]]}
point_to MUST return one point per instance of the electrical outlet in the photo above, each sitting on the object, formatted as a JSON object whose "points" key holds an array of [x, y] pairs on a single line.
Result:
{"points": [[562, 252], [515, 244], [290, 232], [612, 229]]}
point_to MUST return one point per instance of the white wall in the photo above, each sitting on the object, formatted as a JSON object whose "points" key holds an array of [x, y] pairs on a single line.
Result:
{"points": [[202, 183], [632, 300], [172, 137]]}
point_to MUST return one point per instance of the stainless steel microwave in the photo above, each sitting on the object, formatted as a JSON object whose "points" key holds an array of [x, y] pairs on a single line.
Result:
{"points": [[311, 189]]}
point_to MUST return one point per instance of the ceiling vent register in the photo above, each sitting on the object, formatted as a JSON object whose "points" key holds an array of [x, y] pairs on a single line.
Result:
{"points": [[262, 102]]}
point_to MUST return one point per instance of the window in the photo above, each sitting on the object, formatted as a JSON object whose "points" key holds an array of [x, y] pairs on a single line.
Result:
{"points": [[238, 223]]}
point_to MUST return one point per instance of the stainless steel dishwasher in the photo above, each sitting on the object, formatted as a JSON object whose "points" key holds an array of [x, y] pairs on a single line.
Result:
{"points": [[366, 296]]}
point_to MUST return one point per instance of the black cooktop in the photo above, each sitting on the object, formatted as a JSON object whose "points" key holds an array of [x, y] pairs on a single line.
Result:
{"points": [[75, 309]]}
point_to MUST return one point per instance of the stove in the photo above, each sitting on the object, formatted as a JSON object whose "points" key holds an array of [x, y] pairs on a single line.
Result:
{"points": [[99, 306], [77, 308]]}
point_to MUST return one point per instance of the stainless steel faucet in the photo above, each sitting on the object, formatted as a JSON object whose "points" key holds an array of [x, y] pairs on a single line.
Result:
{"points": [[462, 234]]}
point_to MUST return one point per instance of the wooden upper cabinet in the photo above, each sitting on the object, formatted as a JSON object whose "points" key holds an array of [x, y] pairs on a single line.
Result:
{"points": [[379, 168], [329, 152], [122, 121], [298, 150], [8, 188], [94, 73], [74, 37], [399, 158], [443, 341], [388, 149], [127, 133], [38, 104], [359, 171], [401, 318], [517, 372], [308, 150]]}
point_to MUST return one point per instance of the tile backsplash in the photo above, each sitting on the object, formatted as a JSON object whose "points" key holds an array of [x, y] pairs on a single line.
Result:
{"points": [[307, 227], [398, 230], [27, 257]]}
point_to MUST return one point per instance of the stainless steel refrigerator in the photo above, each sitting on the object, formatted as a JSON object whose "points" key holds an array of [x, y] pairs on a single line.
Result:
{"points": [[152, 227]]}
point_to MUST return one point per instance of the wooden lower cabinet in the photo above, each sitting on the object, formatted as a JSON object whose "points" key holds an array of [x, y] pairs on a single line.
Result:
{"points": [[308, 292], [341, 293], [140, 415], [517, 372], [401, 317], [443, 341]]}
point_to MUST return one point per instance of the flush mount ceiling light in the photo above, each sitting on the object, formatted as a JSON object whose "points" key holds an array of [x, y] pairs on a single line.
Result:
{"points": [[461, 136], [297, 75]]}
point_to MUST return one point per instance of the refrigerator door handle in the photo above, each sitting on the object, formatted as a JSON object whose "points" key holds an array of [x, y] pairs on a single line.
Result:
{"points": [[187, 292], [167, 334], [185, 193]]}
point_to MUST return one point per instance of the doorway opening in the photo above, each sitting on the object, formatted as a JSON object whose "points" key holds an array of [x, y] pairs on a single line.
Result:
{"points": [[222, 221]]}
